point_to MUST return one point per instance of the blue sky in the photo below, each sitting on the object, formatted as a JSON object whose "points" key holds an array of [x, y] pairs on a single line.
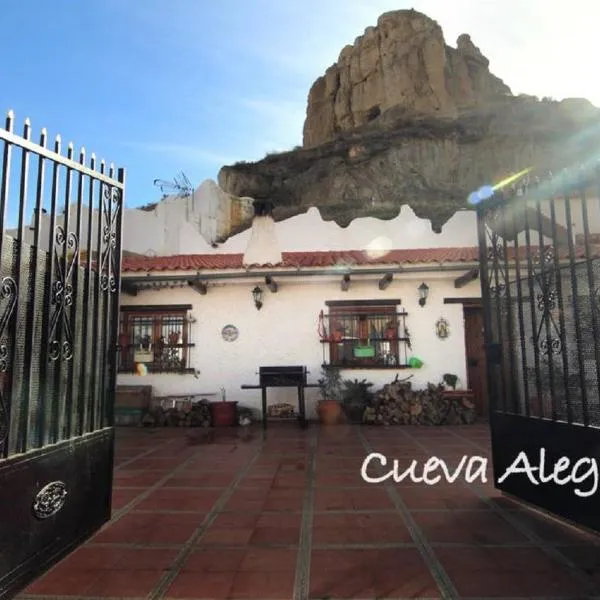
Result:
{"points": [[163, 86]]}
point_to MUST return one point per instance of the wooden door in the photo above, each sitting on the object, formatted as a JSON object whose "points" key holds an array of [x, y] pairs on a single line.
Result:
{"points": [[475, 355]]}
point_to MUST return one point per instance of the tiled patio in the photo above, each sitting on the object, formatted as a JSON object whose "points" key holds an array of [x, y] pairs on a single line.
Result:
{"points": [[287, 517]]}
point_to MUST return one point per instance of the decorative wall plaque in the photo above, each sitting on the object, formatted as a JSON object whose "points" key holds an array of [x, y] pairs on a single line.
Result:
{"points": [[442, 329], [49, 500], [230, 333]]}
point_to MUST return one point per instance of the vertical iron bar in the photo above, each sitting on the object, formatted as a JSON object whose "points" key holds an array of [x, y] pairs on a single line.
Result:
{"points": [[589, 258], [54, 298], [32, 319], [97, 395], [66, 395], [16, 382], [531, 289], [85, 400], [509, 321], [44, 420], [76, 318], [561, 317], [575, 291], [500, 346], [546, 292], [116, 297], [5, 404], [487, 309], [520, 316], [106, 309]]}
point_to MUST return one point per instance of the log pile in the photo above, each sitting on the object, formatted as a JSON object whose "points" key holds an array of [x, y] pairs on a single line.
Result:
{"points": [[398, 404], [195, 415]]}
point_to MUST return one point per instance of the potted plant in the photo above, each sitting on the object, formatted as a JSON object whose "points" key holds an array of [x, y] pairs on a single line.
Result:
{"points": [[329, 408], [450, 380], [356, 396]]}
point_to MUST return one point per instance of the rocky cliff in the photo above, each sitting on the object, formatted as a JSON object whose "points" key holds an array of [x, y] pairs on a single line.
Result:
{"points": [[402, 118]]}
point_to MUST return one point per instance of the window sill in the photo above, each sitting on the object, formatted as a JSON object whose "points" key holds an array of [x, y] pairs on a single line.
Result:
{"points": [[158, 371], [347, 366]]}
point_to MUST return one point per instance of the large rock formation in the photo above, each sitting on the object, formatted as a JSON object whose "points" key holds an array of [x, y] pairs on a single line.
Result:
{"points": [[404, 64], [402, 118]]}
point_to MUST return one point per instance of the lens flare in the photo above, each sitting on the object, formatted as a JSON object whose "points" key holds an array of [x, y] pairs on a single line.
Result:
{"points": [[378, 247], [487, 191], [141, 369]]}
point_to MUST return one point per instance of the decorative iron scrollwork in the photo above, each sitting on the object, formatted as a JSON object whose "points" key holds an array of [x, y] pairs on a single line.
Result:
{"points": [[49, 500], [4, 421], [497, 278], [108, 264], [8, 295], [62, 294]]}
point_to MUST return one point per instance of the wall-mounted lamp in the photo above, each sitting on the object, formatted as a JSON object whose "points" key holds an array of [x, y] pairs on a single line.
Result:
{"points": [[271, 284], [257, 294], [423, 294], [191, 319], [345, 285], [385, 281]]}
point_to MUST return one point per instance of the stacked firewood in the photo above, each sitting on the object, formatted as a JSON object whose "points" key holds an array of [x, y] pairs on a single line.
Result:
{"points": [[398, 404], [195, 415]]}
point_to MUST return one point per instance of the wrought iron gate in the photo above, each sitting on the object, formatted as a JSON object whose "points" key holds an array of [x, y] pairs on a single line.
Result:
{"points": [[540, 276], [59, 301]]}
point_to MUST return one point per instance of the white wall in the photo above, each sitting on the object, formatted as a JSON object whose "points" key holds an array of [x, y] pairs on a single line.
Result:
{"points": [[285, 332], [176, 225], [308, 232]]}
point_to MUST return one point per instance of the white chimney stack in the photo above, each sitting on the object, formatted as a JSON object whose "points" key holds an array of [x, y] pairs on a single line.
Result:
{"points": [[263, 246]]}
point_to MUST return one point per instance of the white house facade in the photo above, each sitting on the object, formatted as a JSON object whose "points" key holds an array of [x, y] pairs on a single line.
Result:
{"points": [[370, 298]]}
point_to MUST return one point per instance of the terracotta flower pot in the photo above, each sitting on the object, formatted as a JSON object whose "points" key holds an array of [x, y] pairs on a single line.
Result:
{"points": [[329, 412]]}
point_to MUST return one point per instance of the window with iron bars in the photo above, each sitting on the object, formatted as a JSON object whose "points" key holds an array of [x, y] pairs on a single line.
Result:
{"points": [[157, 337], [367, 334]]}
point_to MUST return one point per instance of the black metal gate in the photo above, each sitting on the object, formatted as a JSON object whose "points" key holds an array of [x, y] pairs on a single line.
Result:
{"points": [[540, 278], [59, 301]]}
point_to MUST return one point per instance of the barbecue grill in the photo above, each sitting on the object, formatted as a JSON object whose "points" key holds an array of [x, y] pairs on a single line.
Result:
{"points": [[285, 376]]}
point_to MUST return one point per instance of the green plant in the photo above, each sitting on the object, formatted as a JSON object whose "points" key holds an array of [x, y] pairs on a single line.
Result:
{"points": [[330, 385], [450, 379], [357, 392]]}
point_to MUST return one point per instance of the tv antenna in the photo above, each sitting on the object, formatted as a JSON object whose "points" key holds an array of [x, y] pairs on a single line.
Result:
{"points": [[180, 186]]}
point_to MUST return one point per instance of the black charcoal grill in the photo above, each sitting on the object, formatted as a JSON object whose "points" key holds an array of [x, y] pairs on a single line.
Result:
{"points": [[286, 376]]}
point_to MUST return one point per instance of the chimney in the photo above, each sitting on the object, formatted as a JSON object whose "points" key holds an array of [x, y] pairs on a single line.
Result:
{"points": [[263, 247]]}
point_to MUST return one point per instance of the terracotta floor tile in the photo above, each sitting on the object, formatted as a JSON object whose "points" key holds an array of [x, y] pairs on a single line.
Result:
{"points": [[226, 537], [179, 499], [359, 528], [269, 560], [343, 560], [284, 500], [209, 585], [584, 557], [332, 499], [275, 535], [373, 498], [235, 520], [148, 528], [354, 583], [91, 557], [279, 519], [278, 585], [248, 500], [424, 497], [156, 464], [476, 527], [137, 478], [200, 480], [215, 560], [144, 559], [61, 580], [122, 497], [124, 583], [402, 572]]}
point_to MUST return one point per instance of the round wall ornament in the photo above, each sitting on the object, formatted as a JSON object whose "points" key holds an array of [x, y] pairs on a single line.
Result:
{"points": [[442, 329], [230, 333]]}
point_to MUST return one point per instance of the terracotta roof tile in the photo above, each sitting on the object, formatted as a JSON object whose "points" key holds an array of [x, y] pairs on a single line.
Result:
{"points": [[201, 262]]}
